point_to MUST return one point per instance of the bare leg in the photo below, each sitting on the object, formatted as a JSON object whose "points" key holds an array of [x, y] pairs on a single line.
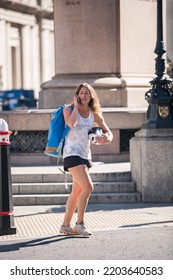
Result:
{"points": [[72, 203], [81, 176]]}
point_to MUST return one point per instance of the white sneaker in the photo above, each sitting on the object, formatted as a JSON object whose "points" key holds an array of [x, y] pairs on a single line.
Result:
{"points": [[67, 230], [81, 229]]}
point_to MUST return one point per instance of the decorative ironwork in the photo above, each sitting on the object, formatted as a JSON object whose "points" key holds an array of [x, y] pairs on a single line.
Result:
{"points": [[28, 141], [160, 95], [35, 141], [125, 136]]}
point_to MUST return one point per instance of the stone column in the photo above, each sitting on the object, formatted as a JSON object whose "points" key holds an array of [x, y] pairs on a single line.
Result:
{"points": [[106, 43]]}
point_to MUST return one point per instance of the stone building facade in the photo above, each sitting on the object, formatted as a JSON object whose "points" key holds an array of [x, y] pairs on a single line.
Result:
{"points": [[27, 44], [110, 44]]}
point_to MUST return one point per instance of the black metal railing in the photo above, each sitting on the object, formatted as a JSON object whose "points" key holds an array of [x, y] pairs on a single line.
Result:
{"points": [[35, 141]]}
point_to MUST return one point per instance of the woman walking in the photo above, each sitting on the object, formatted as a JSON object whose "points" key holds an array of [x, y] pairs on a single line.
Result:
{"points": [[80, 117]]}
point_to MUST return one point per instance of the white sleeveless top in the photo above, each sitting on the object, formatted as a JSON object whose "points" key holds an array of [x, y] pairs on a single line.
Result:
{"points": [[77, 142]]}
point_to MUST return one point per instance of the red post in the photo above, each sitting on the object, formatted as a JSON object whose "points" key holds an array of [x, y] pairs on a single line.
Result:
{"points": [[6, 201]]}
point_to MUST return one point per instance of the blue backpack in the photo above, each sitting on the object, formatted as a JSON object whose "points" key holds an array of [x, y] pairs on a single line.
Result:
{"points": [[58, 130]]}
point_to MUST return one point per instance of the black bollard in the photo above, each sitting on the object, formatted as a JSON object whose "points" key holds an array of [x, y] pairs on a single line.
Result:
{"points": [[6, 201]]}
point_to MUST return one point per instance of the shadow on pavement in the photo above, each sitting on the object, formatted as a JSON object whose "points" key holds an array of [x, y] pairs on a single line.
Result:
{"points": [[38, 242], [146, 224], [48, 209]]}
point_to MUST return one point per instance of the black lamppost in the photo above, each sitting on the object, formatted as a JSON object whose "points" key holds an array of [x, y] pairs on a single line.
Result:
{"points": [[160, 96]]}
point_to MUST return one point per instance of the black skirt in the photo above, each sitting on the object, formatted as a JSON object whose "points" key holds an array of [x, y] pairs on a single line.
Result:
{"points": [[73, 161]]}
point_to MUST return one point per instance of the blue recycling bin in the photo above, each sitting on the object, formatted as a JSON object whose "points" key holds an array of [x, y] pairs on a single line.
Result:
{"points": [[17, 97]]}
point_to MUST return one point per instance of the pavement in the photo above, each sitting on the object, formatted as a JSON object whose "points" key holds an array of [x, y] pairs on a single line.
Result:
{"points": [[98, 167], [38, 221], [35, 223], [119, 232]]}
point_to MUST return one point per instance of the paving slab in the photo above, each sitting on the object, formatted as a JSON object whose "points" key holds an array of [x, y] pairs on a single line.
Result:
{"points": [[39, 221]]}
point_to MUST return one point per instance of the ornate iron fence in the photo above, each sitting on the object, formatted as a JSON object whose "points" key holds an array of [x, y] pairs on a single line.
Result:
{"points": [[28, 141], [125, 136]]}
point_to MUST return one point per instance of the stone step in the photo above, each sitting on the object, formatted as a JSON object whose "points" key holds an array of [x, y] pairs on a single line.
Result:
{"points": [[124, 176], [60, 199], [45, 185], [62, 188]]}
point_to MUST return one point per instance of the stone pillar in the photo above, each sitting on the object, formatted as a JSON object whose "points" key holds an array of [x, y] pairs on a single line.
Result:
{"points": [[106, 43], [151, 158]]}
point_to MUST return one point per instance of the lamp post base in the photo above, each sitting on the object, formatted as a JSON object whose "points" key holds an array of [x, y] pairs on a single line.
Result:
{"points": [[7, 231], [151, 154]]}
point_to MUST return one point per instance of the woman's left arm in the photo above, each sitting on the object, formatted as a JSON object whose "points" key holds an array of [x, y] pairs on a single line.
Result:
{"points": [[107, 136]]}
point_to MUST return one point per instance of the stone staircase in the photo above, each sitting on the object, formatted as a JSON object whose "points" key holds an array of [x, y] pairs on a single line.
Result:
{"points": [[51, 189]]}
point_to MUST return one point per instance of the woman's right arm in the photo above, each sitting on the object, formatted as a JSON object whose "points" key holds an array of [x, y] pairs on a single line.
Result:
{"points": [[71, 116]]}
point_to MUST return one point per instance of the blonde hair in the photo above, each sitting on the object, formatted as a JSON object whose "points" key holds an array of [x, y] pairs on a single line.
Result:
{"points": [[94, 103]]}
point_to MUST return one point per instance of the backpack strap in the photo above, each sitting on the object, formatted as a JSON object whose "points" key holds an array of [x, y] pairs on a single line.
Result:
{"points": [[66, 130], [60, 148]]}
